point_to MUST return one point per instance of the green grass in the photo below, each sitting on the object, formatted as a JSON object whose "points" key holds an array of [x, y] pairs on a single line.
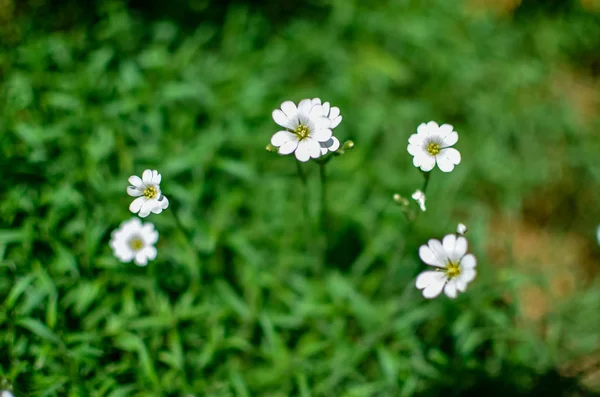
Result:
{"points": [[252, 309]]}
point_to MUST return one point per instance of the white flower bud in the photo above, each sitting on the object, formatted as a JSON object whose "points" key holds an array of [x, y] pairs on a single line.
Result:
{"points": [[420, 198], [461, 229]]}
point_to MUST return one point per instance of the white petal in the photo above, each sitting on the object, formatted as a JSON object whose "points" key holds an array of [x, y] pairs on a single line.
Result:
{"points": [[335, 145], [422, 130], [290, 109], [156, 177], [288, 147], [314, 149], [450, 289], [448, 243], [460, 249], [433, 127], [321, 122], [323, 151], [426, 278], [461, 285], [316, 101], [438, 250], [468, 261], [416, 139], [435, 288], [281, 137], [326, 109], [467, 275], [134, 191], [449, 139], [140, 258], [305, 106], [150, 252], [447, 158], [303, 151], [164, 202], [428, 256], [147, 207], [334, 112], [136, 181], [426, 161], [280, 118], [416, 150], [137, 204], [335, 122], [321, 135], [147, 177], [149, 235]]}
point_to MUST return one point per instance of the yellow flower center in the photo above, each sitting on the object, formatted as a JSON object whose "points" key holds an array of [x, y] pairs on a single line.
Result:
{"points": [[150, 192], [136, 244], [452, 270], [301, 132], [434, 148]]}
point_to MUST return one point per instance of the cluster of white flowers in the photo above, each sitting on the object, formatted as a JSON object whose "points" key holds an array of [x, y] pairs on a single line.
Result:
{"points": [[134, 240], [308, 128]]}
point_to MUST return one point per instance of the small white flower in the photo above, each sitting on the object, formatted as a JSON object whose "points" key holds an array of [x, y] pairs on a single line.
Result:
{"points": [[419, 197], [6, 393], [431, 144], [306, 127], [147, 190], [134, 240], [333, 114], [461, 229], [455, 270]]}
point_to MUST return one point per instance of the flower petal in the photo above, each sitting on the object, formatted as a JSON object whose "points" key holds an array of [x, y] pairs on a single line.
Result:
{"points": [[468, 261], [147, 177], [450, 137], [303, 151], [334, 145], [288, 147], [335, 122], [305, 106], [467, 275], [321, 135], [136, 181], [426, 162], [416, 150], [136, 204], [281, 137], [150, 252], [314, 149], [140, 258], [450, 289], [280, 118], [163, 201], [326, 109], [290, 109], [438, 250], [134, 191], [147, 207], [431, 258], [435, 288], [447, 158], [156, 177], [334, 112], [426, 278]]}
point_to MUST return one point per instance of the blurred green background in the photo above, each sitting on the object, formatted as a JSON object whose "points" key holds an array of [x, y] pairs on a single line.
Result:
{"points": [[93, 93]]}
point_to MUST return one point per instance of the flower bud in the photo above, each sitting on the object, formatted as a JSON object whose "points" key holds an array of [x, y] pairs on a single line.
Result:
{"points": [[461, 229], [400, 200], [348, 145], [419, 197], [271, 148]]}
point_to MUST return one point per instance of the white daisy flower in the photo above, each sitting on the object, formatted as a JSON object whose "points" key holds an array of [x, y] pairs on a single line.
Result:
{"points": [[419, 197], [147, 190], [306, 126], [333, 114], [431, 144], [461, 229], [134, 240], [455, 270]]}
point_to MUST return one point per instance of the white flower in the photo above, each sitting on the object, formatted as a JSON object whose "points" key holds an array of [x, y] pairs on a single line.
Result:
{"points": [[461, 229], [6, 393], [333, 114], [419, 197], [455, 270], [306, 127], [431, 144], [134, 240], [147, 190]]}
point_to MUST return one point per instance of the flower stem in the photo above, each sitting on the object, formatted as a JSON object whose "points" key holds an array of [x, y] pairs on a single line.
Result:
{"points": [[426, 175], [304, 181], [323, 177]]}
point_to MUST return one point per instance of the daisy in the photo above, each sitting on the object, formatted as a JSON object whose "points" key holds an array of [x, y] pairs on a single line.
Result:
{"points": [[455, 268], [147, 190], [431, 144], [333, 114], [134, 240], [419, 197], [306, 127]]}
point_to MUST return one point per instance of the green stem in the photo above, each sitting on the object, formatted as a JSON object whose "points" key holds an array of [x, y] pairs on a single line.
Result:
{"points": [[304, 181], [324, 225], [426, 175]]}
